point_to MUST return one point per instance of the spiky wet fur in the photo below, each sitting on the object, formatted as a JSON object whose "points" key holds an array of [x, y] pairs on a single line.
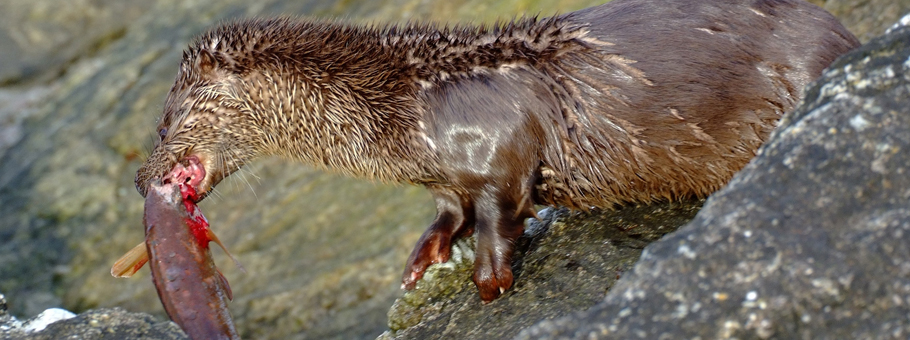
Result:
{"points": [[333, 95], [352, 99]]}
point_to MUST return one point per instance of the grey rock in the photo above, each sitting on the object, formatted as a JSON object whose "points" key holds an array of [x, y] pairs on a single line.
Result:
{"points": [[904, 21], [105, 323], [109, 324], [807, 242], [564, 263], [17, 104], [40, 37]]}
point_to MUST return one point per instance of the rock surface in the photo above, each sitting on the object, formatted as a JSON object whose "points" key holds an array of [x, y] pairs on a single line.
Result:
{"points": [[808, 241], [102, 323], [564, 263], [81, 84]]}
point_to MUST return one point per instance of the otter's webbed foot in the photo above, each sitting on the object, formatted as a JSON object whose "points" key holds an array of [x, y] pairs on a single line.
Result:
{"points": [[454, 218]]}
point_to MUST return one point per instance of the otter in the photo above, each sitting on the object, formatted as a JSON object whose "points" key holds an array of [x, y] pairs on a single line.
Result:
{"points": [[630, 101]]}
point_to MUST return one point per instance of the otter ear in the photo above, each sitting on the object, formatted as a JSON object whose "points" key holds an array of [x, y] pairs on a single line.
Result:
{"points": [[206, 62]]}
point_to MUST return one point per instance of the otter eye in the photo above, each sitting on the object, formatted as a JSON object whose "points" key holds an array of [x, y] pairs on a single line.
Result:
{"points": [[162, 133]]}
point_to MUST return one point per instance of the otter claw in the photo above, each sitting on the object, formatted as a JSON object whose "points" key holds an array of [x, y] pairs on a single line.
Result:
{"points": [[422, 258], [434, 246]]}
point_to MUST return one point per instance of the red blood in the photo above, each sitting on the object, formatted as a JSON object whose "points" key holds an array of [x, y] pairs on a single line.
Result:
{"points": [[187, 177], [198, 224]]}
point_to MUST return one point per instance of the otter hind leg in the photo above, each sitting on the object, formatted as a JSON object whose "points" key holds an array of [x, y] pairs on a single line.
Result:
{"points": [[501, 212], [489, 137], [496, 212], [454, 218]]}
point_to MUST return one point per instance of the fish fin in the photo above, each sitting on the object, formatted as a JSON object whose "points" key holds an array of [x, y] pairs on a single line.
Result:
{"points": [[224, 283], [131, 262], [211, 236]]}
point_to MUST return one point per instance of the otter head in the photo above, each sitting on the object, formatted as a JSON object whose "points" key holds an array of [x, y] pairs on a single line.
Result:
{"points": [[204, 128]]}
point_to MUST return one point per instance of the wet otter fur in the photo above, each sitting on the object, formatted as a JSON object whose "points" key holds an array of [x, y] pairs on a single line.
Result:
{"points": [[630, 101]]}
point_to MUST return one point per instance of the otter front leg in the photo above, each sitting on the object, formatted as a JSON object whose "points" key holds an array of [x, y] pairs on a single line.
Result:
{"points": [[454, 218]]}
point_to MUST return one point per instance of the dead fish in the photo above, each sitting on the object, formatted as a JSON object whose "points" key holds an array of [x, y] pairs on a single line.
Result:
{"points": [[193, 291]]}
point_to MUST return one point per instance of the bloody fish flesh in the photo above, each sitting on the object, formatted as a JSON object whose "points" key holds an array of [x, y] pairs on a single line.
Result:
{"points": [[193, 291]]}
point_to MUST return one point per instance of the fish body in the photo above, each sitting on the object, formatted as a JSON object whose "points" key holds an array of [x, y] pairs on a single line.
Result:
{"points": [[194, 293], [192, 290]]}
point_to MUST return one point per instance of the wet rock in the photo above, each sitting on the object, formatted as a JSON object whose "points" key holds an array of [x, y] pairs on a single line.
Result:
{"points": [[808, 241], [16, 104], [564, 263], [110, 323], [50, 316], [40, 37], [105, 323]]}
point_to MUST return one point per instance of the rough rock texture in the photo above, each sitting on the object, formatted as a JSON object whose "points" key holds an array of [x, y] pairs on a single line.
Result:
{"points": [[39, 37], [81, 84], [564, 263], [100, 324], [809, 241], [110, 324]]}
